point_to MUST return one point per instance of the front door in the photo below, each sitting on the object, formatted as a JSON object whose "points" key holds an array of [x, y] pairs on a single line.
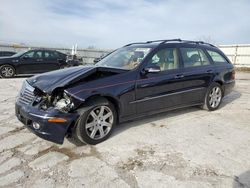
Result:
{"points": [[155, 91], [31, 62]]}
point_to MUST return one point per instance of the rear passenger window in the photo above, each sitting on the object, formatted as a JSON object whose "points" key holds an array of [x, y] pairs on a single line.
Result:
{"points": [[216, 57], [51, 55], [47, 55], [193, 57]]}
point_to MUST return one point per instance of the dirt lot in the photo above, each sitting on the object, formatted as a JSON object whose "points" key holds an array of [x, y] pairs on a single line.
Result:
{"points": [[182, 148]]}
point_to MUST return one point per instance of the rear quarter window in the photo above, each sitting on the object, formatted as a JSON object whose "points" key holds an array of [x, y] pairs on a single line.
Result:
{"points": [[61, 55], [216, 57]]}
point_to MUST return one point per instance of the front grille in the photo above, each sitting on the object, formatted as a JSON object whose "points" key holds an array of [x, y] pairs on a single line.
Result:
{"points": [[26, 94]]}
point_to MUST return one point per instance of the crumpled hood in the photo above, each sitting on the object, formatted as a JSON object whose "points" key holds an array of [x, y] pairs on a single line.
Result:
{"points": [[47, 82]]}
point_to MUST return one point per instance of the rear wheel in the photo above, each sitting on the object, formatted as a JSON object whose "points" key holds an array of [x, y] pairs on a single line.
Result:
{"points": [[7, 71], [95, 123], [213, 97]]}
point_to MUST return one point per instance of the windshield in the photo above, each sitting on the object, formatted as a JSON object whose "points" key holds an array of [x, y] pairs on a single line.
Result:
{"points": [[19, 54], [125, 58]]}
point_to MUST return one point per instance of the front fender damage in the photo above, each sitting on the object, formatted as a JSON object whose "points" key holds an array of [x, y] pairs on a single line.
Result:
{"points": [[61, 97]]}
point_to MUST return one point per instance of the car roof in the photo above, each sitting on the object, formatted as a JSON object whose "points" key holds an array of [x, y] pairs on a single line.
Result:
{"points": [[8, 51], [44, 49]]}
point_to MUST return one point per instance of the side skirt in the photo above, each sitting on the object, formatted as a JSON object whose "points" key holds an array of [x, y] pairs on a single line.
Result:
{"points": [[133, 117]]}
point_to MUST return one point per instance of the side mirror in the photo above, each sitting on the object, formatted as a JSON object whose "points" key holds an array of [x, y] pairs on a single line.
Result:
{"points": [[152, 69]]}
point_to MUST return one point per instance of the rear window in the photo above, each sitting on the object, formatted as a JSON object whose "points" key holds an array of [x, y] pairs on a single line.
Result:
{"points": [[216, 57], [61, 55]]}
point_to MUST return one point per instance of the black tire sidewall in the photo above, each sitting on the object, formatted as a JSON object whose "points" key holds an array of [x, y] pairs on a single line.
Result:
{"points": [[80, 127], [1, 67], [207, 105]]}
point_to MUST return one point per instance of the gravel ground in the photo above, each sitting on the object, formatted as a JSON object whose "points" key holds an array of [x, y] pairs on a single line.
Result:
{"points": [[182, 148]]}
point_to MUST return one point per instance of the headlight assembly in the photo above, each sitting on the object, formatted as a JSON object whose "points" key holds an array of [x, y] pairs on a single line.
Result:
{"points": [[64, 104]]}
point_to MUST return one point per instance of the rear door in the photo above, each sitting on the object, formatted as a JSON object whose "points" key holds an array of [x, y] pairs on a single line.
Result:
{"points": [[198, 72], [51, 60]]}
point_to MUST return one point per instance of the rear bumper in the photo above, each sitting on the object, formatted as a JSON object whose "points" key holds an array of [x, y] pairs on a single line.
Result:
{"points": [[54, 132]]}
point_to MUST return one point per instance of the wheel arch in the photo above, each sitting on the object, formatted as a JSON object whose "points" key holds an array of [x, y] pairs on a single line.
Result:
{"points": [[93, 99], [220, 82], [9, 65], [100, 97]]}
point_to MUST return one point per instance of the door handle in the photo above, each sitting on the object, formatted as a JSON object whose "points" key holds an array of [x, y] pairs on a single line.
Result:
{"points": [[39, 60], [209, 71], [178, 76]]}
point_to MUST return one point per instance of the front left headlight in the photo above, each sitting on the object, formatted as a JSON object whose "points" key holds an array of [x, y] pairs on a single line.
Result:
{"points": [[64, 104]]}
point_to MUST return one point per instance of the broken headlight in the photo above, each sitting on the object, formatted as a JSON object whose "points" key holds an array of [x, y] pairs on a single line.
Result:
{"points": [[63, 103]]}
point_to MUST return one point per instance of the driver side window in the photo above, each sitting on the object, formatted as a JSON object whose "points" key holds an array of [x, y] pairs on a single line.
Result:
{"points": [[166, 59], [34, 54], [38, 54]]}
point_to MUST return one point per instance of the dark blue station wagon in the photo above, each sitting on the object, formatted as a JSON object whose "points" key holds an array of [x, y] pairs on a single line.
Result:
{"points": [[85, 103]]}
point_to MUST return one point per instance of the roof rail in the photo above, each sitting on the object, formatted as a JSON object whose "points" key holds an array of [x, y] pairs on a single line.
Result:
{"points": [[201, 42], [171, 40], [134, 43], [168, 40], [163, 41], [197, 42]]}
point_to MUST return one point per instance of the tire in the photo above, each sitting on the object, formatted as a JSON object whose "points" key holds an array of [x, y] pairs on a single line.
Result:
{"points": [[72, 138], [63, 66], [7, 71], [96, 122], [213, 97]]}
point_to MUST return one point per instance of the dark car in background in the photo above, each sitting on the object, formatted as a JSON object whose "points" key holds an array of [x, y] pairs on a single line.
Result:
{"points": [[85, 103], [32, 62], [73, 60], [6, 53]]}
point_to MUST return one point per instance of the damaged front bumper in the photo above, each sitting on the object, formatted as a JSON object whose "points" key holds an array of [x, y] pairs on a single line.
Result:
{"points": [[38, 122]]}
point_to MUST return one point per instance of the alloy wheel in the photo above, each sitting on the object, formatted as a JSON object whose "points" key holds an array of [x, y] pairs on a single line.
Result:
{"points": [[7, 71], [215, 96], [99, 122]]}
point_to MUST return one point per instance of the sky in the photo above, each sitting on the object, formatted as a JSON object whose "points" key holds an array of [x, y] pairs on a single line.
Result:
{"points": [[113, 23]]}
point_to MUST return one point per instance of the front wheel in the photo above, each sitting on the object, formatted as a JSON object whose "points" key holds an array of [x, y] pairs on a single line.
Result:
{"points": [[96, 123], [7, 71], [213, 97], [63, 66]]}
